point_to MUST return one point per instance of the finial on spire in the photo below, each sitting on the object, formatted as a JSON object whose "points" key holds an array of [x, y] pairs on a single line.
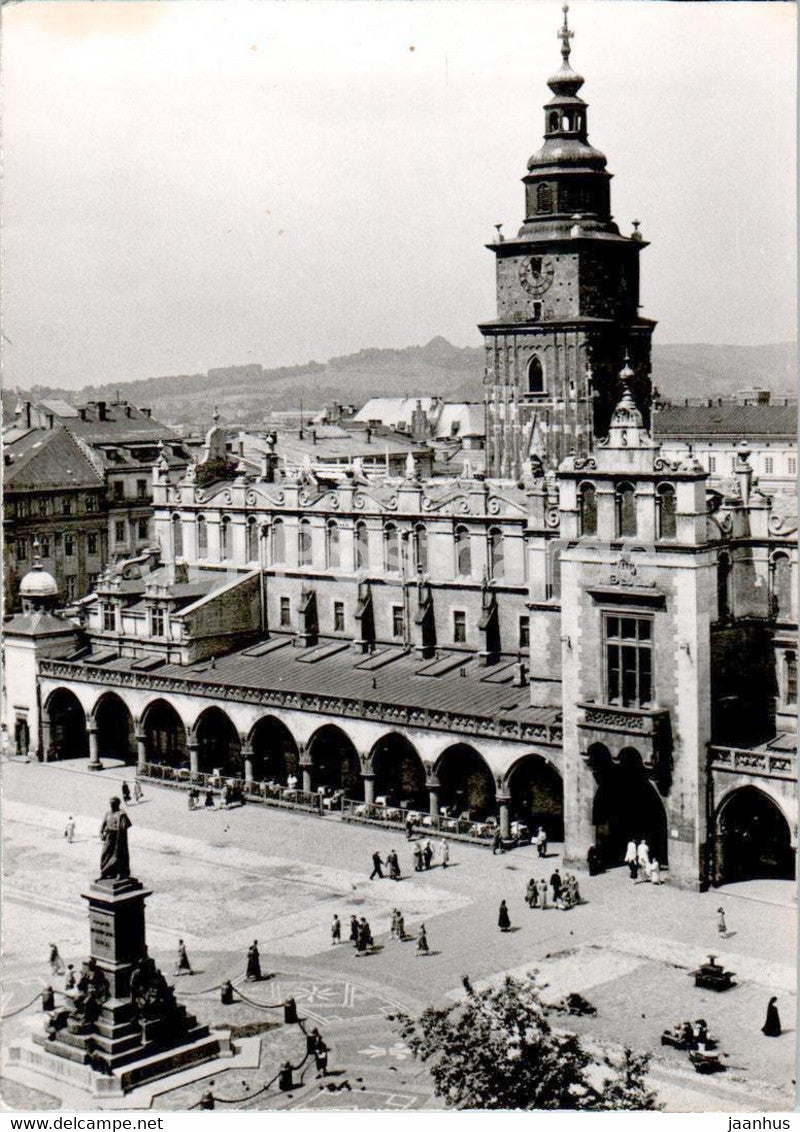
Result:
{"points": [[565, 35], [37, 552]]}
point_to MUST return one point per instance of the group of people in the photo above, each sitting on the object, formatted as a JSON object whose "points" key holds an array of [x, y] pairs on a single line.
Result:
{"points": [[565, 892], [138, 793], [392, 863], [361, 934], [640, 865], [424, 854]]}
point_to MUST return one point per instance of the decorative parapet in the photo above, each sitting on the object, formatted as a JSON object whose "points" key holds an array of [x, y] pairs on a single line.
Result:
{"points": [[639, 721], [768, 764], [397, 714]]}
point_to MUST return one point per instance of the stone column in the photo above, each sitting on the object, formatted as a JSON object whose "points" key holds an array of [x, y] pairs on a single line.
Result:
{"points": [[192, 744], [369, 787], [433, 797], [94, 751], [305, 769], [247, 755], [141, 749], [46, 740], [503, 802]]}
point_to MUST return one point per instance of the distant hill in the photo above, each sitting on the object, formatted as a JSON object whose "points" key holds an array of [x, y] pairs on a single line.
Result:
{"points": [[246, 393]]}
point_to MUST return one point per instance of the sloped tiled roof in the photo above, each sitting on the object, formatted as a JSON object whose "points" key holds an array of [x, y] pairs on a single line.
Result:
{"points": [[48, 458], [744, 422]]}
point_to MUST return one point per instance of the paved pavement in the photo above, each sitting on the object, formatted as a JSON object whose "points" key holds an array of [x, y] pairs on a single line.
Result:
{"points": [[222, 878]]}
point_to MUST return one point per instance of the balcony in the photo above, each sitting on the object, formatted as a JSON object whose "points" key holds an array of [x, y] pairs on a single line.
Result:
{"points": [[776, 759], [615, 727]]}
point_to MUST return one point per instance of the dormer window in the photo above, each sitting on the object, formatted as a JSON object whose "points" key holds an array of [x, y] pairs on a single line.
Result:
{"points": [[157, 621]]}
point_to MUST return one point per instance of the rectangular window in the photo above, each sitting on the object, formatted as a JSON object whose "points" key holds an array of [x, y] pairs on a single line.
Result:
{"points": [[90, 503], [398, 621], [93, 580], [791, 465], [338, 617], [524, 632], [44, 547], [537, 311], [109, 619], [141, 489], [157, 621], [629, 665], [22, 550], [119, 530], [66, 506], [459, 627], [44, 506], [286, 613], [69, 546], [142, 529], [769, 465], [91, 544], [119, 488], [712, 464], [72, 587], [791, 678]]}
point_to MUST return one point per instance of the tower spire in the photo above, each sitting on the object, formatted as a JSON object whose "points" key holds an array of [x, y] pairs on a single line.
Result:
{"points": [[565, 35]]}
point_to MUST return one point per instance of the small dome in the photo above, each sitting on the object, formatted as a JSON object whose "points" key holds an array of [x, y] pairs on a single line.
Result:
{"points": [[37, 583]]}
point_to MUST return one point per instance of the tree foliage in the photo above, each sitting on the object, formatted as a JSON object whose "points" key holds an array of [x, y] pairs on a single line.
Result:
{"points": [[497, 1050]]}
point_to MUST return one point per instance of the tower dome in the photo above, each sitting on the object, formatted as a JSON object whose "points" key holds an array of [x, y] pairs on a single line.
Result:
{"points": [[38, 589]]}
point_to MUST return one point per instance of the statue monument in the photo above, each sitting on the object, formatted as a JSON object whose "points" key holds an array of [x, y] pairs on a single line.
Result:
{"points": [[122, 1025]]}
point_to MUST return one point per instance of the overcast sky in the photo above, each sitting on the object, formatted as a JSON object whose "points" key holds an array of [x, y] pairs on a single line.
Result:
{"points": [[195, 184]]}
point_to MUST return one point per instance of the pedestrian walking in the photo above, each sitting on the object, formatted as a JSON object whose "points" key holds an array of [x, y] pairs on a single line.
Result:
{"points": [[594, 860], [543, 894], [56, 962], [138, 793], [444, 852], [497, 843], [393, 862], [655, 871], [48, 999], [191, 799], [576, 892], [401, 926], [422, 941], [209, 802], [417, 858], [70, 983], [69, 830], [336, 930], [393, 931], [772, 1025], [354, 929], [531, 895], [556, 885], [427, 854], [722, 927], [566, 893], [503, 918], [643, 858], [631, 859], [253, 974], [409, 827], [541, 842], [321, 1056], [377, 869], [183, 966], [126, 793]]}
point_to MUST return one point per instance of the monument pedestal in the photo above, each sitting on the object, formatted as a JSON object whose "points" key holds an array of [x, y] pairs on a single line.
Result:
{"points": [[125, 1026]]}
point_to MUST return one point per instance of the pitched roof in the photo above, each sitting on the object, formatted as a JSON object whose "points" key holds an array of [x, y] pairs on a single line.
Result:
{"points": [[48, 458], [744, 422]]}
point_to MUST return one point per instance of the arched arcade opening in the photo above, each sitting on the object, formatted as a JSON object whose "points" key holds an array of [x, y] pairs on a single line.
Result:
{"points": [[65, 737], [164, 735], [466, 785], [219, 747], [399, 773], [335, 763], [626, 806], [537, 796], [274, 755], [753, 838], [115, 733]]}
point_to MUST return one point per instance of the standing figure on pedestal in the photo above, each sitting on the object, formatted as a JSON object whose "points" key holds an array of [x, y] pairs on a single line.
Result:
{"points": [[114, 860]]}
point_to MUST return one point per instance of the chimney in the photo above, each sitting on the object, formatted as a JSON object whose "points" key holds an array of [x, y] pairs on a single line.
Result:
{"points": [[82, 412], [368, 434], [25, 415], [128, 411], [101, 411], [146, 412], [51, 420]]}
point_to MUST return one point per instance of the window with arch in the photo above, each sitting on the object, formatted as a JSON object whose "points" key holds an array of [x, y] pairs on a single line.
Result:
{"points": [[278, 541], [626, 510], [665, 503], [225, 537], [535, 375], [333, 555], [723, 586], [177, 536], [587, 506], [790, 677], [544, 199], [362, 546], [463, 553], [554, 120], [391, 549], [781, 586], [304, 553], [421, 548], [252, 539], [565, 122], [202, 537], [497, 566]]}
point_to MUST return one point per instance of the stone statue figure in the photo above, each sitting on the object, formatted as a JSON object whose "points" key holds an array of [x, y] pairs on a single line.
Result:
{"points": [[114, 860]]}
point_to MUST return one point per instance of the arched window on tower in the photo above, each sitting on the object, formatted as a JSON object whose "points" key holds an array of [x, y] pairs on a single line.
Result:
{"points": [[535, 376], [252, 539], [544, 199], [665, 502], [225, 538], [362, 546], [421, 548], [780, 569], [278, 541], [304, 552], [554, 121], [463, 553], [391, 549], [587, 502], [565, 122], [177, 536], [202, 537], [497, 566], [332, 552], [626, 510]]}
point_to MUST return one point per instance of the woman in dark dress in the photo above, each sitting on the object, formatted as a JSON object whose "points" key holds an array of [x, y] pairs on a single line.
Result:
{"points": [[253, 963], [503, 919], [772, 1026]]}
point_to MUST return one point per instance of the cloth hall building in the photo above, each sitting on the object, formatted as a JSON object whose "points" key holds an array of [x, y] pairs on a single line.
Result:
{"points": [[587, 637]]}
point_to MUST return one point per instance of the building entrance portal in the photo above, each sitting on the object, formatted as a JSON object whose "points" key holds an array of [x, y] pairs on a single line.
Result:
{"points": [[753, 839], [626, 807], [66, 737], [115, 735]]}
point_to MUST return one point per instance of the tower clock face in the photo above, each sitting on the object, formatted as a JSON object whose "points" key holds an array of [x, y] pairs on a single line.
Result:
{"points": [[536, 274]]}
